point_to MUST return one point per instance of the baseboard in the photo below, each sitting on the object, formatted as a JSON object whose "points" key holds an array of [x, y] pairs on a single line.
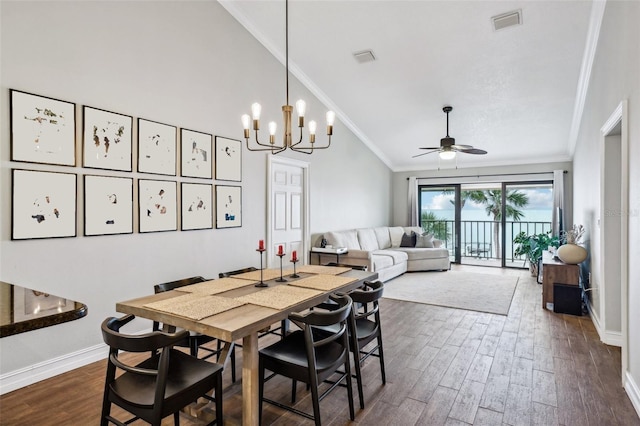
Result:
{"points": [[633, 391], [26, 376], [611, 338]]}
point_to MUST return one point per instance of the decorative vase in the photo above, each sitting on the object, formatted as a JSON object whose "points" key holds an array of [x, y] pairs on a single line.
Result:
{"points": [[572, 253]]}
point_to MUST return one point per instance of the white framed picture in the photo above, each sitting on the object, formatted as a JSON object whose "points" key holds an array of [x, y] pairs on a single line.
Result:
{"points": [[43, 204], [228, 159], [107, 139], [43, 130], [197, 206], [196, 154], [156, 147], [157, 205], [108, 205], [228, 206]]}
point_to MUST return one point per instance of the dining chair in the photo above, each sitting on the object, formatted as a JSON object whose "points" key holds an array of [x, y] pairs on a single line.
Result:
{"points": [[310, 357], [195, 340], [160, 385], [284, 324]]}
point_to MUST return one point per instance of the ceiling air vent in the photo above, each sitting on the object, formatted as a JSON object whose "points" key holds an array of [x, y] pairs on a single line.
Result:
{"points": [[507, 20], [364, 56]]}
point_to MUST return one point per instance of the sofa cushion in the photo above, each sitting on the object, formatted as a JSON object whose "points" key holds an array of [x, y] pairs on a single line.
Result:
{"points": [[409, 229], [424, 241], [408, 240], [395, 234], [421, 253], [381, 262], [397, 255], [383, 237], [367, 239], [348, 239]]}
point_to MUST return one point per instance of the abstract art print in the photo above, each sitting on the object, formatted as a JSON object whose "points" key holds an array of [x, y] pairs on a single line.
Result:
{"points": [[196, 154], [44, 205], [43, 130], [197, 206], [107, 140], [228, 159], [228, 206], [108, 205], [157, 204], [156, 147]]}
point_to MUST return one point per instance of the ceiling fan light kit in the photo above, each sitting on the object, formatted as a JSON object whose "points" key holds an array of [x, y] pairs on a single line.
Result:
{"points": [[448, 148], [287, 110]]}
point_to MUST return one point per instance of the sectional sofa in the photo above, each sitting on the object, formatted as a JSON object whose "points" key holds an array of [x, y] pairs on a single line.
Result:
{"points": [[380, 250]]}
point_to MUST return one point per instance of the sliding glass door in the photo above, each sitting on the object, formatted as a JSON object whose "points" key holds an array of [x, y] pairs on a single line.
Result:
{"points": [[439, 208]]}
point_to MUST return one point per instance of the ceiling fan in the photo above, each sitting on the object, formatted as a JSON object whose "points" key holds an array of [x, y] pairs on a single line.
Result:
{"points": [[448, 148]]}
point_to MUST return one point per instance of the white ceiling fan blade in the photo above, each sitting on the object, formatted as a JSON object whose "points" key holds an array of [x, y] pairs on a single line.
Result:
{"points": [[461, 147], [425, 153]]}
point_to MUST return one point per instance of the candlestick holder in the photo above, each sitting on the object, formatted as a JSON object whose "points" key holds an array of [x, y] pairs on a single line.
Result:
{"points": [[294, 275], [261, 283], [281, 279]]}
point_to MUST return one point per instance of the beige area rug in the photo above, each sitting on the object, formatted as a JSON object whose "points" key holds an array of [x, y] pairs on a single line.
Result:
{"points": [[454, 289]]}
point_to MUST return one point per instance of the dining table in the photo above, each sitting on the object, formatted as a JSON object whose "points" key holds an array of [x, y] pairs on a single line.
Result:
{"points": [[239, 307]]}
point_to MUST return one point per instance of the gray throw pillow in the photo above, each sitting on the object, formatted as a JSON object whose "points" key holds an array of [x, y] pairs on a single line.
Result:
{"points": [[408, 240], [424, 241]]}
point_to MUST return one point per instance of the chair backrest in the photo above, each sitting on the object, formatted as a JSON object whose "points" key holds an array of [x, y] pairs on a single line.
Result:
{"points": [[136, 342], [367, 300], [159, 288], [236, 272], [337, 318]]}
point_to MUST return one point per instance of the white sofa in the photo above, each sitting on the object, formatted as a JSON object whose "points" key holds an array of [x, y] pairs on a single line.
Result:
{"points": [[379, 249]]}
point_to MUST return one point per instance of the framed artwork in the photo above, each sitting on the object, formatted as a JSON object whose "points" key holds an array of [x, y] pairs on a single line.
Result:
{"points": [[228, 206], [157, 205], [43, 130], [43, 205], [197, 154], [108, 205], [197, 206], [156, 147], [107, 140], [31, 304], [228, 159]]}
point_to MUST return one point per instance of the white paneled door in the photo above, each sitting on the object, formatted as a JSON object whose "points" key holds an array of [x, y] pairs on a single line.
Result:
{"points": [[288, 210]]}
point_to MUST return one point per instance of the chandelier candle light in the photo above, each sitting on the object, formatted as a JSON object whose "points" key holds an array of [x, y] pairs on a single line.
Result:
{"points": [[287, 111]]}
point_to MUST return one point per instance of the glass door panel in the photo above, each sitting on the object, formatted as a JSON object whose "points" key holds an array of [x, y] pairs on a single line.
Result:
{"points": [[440, 215]]}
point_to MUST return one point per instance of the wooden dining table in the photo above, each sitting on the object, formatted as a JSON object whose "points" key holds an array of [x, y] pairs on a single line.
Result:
{"points": [[230, 309]]}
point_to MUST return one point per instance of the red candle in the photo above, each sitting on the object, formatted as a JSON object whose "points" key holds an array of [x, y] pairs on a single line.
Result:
{"points": [[261, 245], [280, 250], [294, 256]]}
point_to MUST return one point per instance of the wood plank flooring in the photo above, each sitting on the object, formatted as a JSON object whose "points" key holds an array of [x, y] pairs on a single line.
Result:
{"points": [[444, 367]]}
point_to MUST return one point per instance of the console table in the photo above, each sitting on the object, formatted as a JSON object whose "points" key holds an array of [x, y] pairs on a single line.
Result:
{"points": [[556, 271], [329, 250]]}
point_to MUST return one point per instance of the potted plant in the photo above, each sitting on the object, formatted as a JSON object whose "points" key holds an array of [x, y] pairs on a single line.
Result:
{"points": [[532, 246]]}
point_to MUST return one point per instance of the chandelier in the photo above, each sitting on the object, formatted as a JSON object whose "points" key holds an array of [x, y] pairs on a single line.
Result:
{"points": [[287, 110]]}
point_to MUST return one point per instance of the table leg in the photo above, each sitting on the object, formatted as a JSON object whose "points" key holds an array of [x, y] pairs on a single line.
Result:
{"points": [[226, 351], [250, 403]]}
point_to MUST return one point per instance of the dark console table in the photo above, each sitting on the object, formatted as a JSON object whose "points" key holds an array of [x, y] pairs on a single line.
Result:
{"points": [[23, 309]]}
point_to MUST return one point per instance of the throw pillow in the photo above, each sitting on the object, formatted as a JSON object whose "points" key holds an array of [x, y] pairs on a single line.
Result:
{"points": [[424, 241], [437, 243], [408, 240]]}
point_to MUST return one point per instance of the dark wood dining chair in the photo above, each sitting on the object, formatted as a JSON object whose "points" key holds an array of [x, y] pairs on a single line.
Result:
{"points": [[195, 341], [306, 356], [162, 384], [284, 324]]}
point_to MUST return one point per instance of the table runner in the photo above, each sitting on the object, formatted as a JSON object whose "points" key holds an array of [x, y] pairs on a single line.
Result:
{"points": [[216, 286], [323, 282], [195, 306], [279, 297], [321, 269]]}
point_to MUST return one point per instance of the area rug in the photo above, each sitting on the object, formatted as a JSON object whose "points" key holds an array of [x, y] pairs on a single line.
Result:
{"points": [[454, 289]]}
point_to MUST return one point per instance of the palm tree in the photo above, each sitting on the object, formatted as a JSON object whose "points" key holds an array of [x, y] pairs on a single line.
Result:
{"points": [[492, 201], [435, 225]]}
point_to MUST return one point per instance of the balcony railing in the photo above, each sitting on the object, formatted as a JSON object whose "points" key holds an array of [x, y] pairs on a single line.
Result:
{"points": [[478, 237]]}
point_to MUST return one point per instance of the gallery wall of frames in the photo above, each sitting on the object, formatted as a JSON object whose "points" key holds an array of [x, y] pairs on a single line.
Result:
{"points": [[45, 202]]}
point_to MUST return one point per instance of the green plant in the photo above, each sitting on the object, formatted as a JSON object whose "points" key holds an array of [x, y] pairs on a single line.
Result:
{"points": [[532, 246]]}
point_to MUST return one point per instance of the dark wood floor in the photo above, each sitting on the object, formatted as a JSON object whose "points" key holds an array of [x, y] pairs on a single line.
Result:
{"points": [[444, 367]]}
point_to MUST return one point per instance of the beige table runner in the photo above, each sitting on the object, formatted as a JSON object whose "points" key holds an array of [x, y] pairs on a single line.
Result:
{"points": [[216, 286], [323, 282], [279, 297], [321, 269], [195, 306], [267, 274]]}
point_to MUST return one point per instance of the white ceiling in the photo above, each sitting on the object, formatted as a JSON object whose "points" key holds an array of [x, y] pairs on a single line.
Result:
{"points": [[513, 91]]}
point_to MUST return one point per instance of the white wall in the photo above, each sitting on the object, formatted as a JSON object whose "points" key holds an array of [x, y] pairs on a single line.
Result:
{"points": [[614, 78], [188, 64]]}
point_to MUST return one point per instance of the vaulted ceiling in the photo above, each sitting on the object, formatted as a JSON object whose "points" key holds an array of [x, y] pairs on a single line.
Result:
{"points": [[516, 92]]}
